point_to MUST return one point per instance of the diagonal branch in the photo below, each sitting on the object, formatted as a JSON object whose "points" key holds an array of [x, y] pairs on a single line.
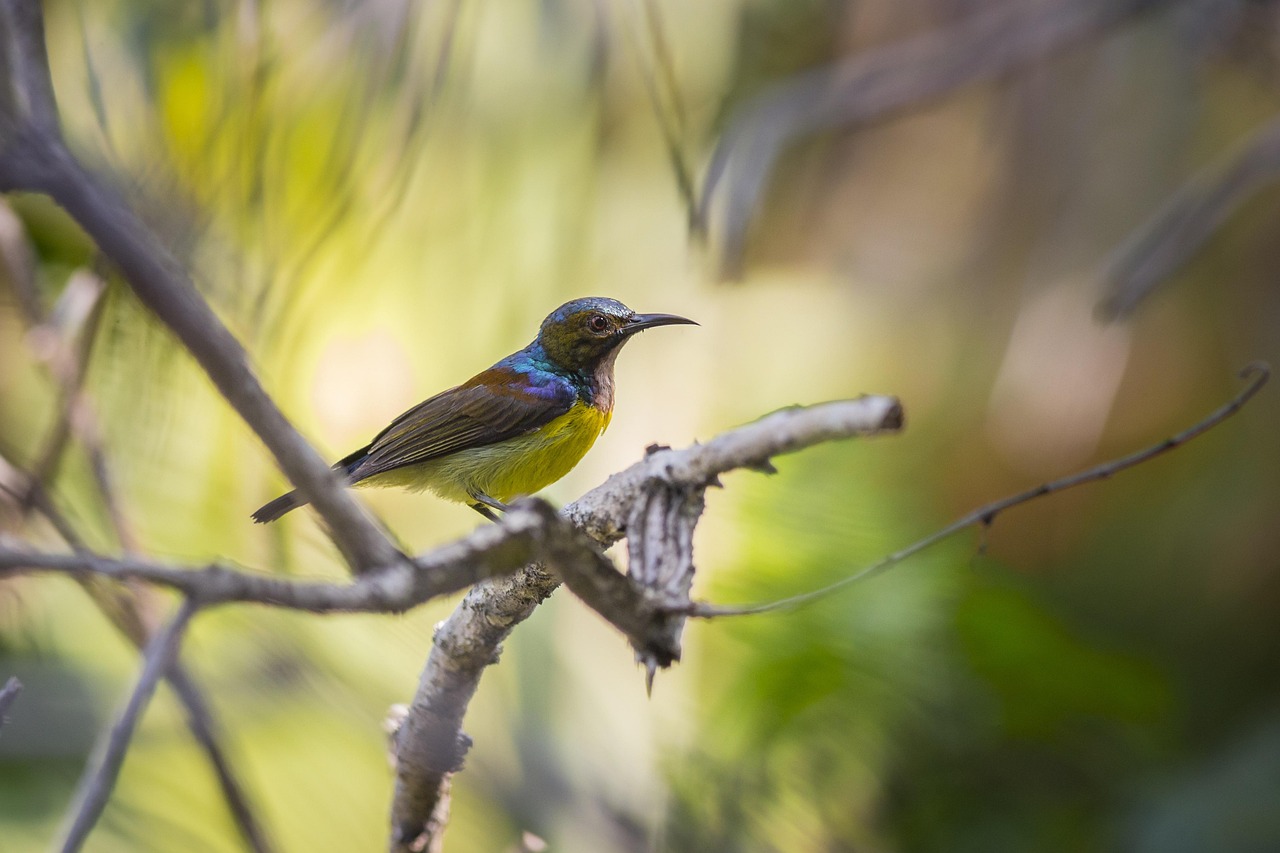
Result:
{"points": [[1163, 244], [204, 728], [33, 157], [104, 765]]}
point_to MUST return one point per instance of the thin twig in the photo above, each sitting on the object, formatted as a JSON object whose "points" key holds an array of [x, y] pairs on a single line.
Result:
{"points": [[66, 359], [1257, 375], [104, 765], [204, 728], [20, 261]]}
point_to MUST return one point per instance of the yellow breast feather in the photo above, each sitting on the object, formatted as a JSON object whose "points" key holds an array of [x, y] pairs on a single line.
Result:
{"points": [[505, 470]]}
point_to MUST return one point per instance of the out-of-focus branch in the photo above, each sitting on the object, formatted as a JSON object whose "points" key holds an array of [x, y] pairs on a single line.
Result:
{"points": [[1160, 246], [53, 339], [878, 83], [204, 728], [65, 346], [104, 765], [19, 260], [663, 89], [29, 99], [430, 742], [33, 157], [8, 694], [124, 609]]}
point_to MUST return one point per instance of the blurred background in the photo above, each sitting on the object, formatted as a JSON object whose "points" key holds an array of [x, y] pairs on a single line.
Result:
{"points": [[383, 198]]}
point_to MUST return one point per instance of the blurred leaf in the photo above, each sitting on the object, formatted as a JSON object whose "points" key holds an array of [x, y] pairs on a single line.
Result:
{"points": [[1049, 680]]}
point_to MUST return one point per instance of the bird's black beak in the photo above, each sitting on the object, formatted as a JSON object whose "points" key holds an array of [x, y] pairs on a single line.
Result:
{"points": [[640, 322]]}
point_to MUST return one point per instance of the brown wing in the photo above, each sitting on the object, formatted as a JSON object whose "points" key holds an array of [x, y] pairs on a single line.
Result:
{"points": [[492, 407]]}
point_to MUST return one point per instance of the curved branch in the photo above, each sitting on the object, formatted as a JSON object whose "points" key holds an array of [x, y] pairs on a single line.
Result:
{"points": [[1257, 375]]}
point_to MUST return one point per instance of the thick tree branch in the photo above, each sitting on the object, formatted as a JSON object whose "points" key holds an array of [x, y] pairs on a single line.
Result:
{"points": [[430, 743], [602, 513], [33, 157], [104, 765], [493, 549]]}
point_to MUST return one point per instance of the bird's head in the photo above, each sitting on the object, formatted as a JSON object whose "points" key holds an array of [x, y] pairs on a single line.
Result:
{"points": [[585, 333]]}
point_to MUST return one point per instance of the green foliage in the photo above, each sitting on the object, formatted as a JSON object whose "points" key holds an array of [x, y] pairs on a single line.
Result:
{"points": [[380, 213]]}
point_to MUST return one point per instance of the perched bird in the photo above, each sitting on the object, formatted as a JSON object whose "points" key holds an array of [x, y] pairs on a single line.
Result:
{"points": [[512, 429]]}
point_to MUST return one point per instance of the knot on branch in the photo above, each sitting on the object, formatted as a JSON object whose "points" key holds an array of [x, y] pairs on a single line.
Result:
{"points": [[660, 560]]}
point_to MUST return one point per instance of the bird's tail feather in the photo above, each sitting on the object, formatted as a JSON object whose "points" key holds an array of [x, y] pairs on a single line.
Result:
{"points": [[290, 501], [272, 510]]}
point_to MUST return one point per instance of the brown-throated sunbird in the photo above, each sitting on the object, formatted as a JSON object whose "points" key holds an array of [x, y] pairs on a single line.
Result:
{"points": [[512, 429]]}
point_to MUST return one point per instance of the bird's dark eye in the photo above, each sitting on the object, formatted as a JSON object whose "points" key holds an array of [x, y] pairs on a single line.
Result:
{"points": [[598, 323]]}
